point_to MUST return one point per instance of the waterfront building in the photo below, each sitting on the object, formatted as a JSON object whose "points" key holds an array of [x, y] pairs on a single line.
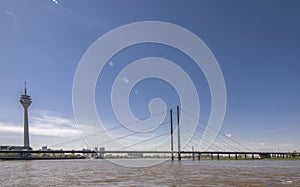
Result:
{"points": [[14, 148]]}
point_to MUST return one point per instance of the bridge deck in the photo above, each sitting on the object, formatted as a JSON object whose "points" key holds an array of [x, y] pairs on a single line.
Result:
{"points": [[148, 152]]}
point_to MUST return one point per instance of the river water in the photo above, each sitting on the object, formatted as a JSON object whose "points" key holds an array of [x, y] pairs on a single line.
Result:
{"points": [[184, 173]]}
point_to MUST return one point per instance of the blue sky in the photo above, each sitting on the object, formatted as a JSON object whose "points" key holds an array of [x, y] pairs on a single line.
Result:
{"points": [[256, 44]]}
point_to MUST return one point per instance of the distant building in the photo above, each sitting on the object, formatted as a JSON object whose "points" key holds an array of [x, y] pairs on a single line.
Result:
{"points": [[93, 155], [102, 154], [14, 148], [45, 148]]}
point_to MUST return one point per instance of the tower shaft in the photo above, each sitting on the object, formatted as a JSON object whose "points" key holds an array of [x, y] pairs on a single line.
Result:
{"points": [[26, 129]]}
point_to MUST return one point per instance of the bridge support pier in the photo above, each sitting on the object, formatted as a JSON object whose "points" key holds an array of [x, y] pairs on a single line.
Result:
{"points": [[178, 128], [171, 123]]}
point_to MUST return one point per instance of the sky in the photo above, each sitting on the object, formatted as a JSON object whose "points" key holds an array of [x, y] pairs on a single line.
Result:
{"points": [[256, 44]]}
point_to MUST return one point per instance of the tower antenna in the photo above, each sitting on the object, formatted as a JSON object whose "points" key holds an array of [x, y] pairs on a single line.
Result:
{"points": [[25, 90]]}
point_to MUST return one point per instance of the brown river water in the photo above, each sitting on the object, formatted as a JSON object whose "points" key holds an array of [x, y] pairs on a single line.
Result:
{"points": [[168, 173]]}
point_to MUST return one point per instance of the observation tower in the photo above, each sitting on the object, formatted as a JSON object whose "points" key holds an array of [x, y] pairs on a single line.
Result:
{"points": [[25, 100]]}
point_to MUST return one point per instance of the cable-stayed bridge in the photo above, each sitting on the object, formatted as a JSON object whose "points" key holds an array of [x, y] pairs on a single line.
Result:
{"points": [[223, 145]]}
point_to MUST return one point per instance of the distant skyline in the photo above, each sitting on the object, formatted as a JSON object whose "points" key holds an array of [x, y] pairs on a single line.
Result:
{"points": [[256, 44]]}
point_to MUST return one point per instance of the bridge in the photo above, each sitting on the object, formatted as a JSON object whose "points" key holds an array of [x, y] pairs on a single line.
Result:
{"points": [[234, 149], [192, 154]]}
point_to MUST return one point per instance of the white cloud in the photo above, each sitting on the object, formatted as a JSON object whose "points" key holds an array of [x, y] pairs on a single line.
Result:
{"points": [[13, 16], [272, 146], [43, 123], [40, 130], [262, 143], [7, 127]]}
